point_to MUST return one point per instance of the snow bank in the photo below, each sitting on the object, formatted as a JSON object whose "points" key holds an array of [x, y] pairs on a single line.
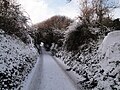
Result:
{"points": [[111, 39], [16, 61], [109, 56]]}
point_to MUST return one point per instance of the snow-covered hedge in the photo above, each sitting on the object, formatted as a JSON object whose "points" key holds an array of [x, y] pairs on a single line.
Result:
{"points": [[108, 73], [100, 68], [16, 61]]}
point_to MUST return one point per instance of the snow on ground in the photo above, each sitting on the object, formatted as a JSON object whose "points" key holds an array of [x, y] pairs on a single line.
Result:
{"points": [[16, 61], [53, 78]]}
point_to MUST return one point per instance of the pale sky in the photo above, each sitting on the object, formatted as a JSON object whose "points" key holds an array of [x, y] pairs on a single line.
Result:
{"points": [[40, 10]]}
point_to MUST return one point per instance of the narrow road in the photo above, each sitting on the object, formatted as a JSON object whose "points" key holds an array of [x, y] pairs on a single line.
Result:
{"points": [[53, 77]]}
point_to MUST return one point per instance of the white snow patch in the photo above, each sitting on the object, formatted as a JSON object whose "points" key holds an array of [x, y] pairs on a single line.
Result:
{"points": [[16, 60]]}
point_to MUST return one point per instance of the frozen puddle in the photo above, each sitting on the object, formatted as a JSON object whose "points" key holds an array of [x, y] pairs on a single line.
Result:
{"points": [[53, 78]]}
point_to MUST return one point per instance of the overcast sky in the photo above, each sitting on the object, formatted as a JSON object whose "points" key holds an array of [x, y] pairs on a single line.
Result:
{"points": [[40, 10]]}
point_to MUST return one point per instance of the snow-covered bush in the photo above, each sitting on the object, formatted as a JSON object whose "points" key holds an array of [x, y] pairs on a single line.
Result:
{"points": [[16, 61], [103, 71], [98, 69], [108, 73]]}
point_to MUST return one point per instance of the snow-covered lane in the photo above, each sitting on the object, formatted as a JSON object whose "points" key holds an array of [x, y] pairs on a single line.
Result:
{"points": [[53, 78]]}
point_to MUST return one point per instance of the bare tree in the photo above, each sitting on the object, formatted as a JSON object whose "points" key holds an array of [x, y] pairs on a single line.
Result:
{"points": [[103, 8], [87, 11], [96, 9]]}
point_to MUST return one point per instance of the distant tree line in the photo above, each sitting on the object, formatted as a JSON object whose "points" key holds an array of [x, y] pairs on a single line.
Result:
{"points": [[50, 30], [55, 22]]}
